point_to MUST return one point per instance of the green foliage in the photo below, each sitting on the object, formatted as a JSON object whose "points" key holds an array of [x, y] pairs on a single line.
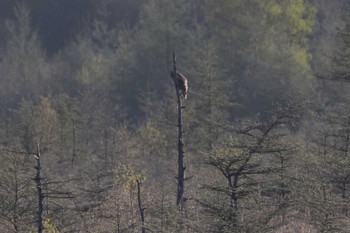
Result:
{"points": [[247, 160], [211, 102], [228, 156], [103, 109], [324, 189], [130, 177], [263, 48], [49, 227]]}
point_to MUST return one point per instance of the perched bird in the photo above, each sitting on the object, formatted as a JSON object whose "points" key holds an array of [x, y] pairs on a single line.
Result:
{"points": [[181, 82]]}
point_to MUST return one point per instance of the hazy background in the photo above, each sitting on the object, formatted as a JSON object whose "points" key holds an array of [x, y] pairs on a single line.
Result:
{"points": [[266, 122]]}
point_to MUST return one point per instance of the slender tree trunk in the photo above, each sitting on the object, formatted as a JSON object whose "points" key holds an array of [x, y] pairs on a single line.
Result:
{"points": [[15, 215], [142, 210], [39, 190], [74, 141], [181, 168]]}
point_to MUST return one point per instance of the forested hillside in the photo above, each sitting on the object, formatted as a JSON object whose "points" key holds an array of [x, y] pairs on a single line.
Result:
{"points": [[88, 130]]}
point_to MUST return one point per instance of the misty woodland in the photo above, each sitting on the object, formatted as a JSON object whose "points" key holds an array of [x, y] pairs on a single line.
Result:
{"points": [[98, 134]]}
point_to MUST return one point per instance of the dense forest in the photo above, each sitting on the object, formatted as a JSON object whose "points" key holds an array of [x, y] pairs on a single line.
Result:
{"points": [[89, 124]]}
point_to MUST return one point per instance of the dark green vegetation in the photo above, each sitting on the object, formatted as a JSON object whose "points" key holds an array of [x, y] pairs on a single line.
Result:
{"points": [[87, 84]]}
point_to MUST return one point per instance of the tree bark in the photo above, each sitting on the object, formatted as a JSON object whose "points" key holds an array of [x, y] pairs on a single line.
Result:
{"points": [[142, 210], [181, 168], [39, 190], [74, 141]]}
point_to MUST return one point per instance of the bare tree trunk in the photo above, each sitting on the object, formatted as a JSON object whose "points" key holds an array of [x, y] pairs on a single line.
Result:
{"points": [[181, 168], [15, 215], [39, 190], [142, 210], [74, 141]]}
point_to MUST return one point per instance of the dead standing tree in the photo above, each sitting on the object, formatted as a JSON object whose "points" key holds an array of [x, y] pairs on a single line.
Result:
{"points": [[181, 89], [41, 195], [38, 182], [141, 208]]}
